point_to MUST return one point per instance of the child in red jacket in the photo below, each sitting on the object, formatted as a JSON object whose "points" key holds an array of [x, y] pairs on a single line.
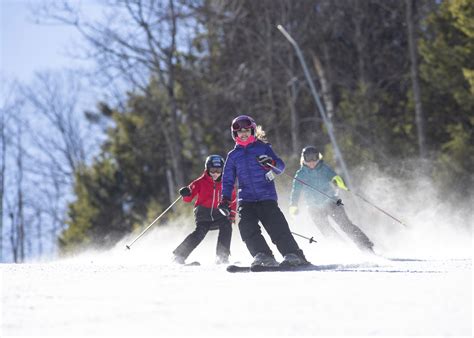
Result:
{"points": [[208, 189]]}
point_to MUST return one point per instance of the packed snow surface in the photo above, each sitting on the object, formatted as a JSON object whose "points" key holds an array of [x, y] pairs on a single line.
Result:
{"points": [[138, 292]]}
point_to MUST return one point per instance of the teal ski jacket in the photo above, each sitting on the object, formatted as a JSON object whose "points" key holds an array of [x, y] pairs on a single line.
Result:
{"points": [[320, 178]]}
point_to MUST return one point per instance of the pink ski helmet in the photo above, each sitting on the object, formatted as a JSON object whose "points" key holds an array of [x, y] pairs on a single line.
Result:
{"points": [[242, 122]]}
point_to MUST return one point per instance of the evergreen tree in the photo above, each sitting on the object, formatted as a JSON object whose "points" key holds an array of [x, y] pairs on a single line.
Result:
{"points": [[447, 70]]}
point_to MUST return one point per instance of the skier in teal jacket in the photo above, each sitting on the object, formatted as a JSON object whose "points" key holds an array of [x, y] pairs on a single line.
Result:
{"points": [[316, 173]]}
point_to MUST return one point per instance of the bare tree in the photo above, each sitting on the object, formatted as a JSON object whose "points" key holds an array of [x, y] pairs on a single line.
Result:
{"points": [[20, 244], [137, 41], [56, 131], [16, 209], [9, 105], [57, 139], [3, 158]]}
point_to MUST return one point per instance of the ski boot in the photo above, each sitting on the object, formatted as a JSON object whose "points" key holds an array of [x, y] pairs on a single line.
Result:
{"points": [[177, 259], [367, 247], [264, 259], [294, 259], [222, 259]]}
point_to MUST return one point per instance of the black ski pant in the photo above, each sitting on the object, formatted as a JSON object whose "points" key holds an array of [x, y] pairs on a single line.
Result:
{"points": [[337, 212], [202, 228], [274, 222]]}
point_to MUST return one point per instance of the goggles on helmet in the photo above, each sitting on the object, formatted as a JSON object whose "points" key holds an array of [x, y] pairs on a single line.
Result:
{"points": [[311, 157], [241, 124]]}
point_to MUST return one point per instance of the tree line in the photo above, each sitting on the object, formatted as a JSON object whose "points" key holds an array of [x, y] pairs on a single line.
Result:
{"points": [[395, 77]]}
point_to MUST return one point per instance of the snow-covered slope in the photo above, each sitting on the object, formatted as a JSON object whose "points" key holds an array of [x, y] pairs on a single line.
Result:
{"points": [[136, 292]]}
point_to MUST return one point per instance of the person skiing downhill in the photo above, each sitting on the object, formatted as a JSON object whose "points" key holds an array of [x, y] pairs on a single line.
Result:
{"points": [[318, 174], [257, 198], [208, 189]]}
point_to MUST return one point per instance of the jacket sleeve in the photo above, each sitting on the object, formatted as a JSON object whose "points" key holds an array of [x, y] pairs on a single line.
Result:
{"points": [[233, 204], [228, 178], [296, 190], [279, 164], [195, 187], [339, 182]]}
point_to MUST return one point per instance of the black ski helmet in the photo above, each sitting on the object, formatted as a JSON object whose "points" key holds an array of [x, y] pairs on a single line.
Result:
{"points": [[310, 153], [242, 122], [214, 161]]}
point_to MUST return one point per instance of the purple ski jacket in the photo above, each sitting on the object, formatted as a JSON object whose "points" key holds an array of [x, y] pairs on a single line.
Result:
{"points": [[242, 165]]}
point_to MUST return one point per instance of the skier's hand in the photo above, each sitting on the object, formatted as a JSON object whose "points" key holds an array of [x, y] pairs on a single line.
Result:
{"points": [[339, 202], [224, 207], [339, 182], [185, 191], [293, 210], [265, 160]]}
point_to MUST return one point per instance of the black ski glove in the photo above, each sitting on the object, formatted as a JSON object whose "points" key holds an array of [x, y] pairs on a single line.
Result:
{"points": [[185, 191], [265, 160], [224, 207]]}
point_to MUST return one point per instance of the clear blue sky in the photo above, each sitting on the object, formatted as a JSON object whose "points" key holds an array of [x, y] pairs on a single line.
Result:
{"points": [[27, 47]]}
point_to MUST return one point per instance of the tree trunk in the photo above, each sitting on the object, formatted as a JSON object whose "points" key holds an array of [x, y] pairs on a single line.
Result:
{"points": [[171, 184], [269, 75], [39, 230], [325, 87], [419, 117], [20, 217], [294, 120], [176, 146], [13, 238]]}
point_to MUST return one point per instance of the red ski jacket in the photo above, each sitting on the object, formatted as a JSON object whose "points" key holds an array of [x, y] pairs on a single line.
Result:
{"points": [[208, 194]]}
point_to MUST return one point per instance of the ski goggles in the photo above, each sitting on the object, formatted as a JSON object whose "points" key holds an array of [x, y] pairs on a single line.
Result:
{"points": [[311, 157], [215, 170], [241, 124]]}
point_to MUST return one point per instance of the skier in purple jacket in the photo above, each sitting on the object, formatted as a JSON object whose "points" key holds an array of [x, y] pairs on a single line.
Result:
{"points": [[248, 163]]}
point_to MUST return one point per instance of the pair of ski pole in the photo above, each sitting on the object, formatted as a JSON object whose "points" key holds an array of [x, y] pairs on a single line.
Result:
{"points": [[128, 246], [311, 240], [338, 201]]}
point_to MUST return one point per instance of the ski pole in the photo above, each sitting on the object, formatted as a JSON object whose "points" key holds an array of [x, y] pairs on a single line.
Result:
{"points": [[379, 209], [338, 201], [156, 219], [311, 240]]}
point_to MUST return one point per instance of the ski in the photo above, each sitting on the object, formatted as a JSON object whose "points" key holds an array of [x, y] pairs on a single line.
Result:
{"points": [[310, 267], [195, 263]]}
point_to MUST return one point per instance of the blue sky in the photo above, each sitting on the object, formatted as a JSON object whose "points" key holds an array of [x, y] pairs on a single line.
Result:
{"points": [[27, 47]]}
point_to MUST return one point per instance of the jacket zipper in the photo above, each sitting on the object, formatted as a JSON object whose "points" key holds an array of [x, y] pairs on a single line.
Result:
{"points": [[250, 174]]}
